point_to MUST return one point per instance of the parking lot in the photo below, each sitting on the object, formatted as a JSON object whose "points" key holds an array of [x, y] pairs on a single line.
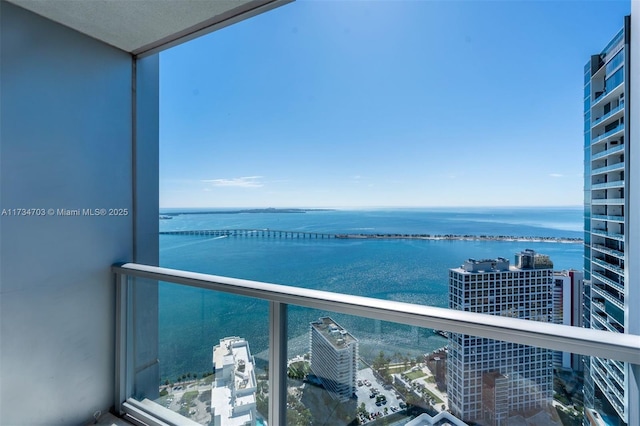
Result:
{"points": [[382, 397]]}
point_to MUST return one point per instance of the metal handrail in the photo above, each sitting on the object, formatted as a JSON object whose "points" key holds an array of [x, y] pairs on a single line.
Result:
{"points": [[622, 347]]}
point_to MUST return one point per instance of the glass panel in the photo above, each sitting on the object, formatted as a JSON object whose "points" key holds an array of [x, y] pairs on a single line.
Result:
{"points": [[587, 121], [587, 90], [614, 43], [212, 354], [345, 369], [615, 62], [614, 80], [350, 370], [207, 361]]}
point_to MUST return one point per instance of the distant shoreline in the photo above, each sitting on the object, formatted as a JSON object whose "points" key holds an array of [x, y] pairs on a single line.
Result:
{"points": [[267, 210], [455, 237]]}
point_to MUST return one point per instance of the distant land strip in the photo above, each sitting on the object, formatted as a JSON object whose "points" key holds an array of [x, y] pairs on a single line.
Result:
{"points": [[282, 234], [267, 210], [461, 237]]}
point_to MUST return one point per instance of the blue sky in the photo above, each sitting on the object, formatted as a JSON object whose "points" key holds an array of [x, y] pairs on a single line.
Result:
{"points": [[383, 104]]}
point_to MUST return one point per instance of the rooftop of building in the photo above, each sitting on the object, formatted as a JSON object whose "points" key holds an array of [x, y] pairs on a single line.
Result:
{"points": [[233, 352], [525, 260], [333, 332], [222, 405]]}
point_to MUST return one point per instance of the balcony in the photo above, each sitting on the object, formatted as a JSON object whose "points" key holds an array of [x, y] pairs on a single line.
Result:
{"points": [[605, 185], [610, 218], [608, 134], [609, 168], [608, 201], [615, 285], [607, 250], [612, 235], [611, 113], [608, 296], [604, 323], [281, 300], [607, 152], [615, 396], [613, 268], [607, 92]]}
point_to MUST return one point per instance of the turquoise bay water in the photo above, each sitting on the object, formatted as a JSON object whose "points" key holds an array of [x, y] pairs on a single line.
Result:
{"points": [[415, 271]]}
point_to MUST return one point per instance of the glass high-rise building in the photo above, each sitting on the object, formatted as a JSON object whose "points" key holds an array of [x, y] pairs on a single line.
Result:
{"points": [[489, 380], [607, 220]]}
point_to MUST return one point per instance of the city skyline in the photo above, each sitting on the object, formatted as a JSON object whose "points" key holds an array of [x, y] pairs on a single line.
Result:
{"points": [[380, 104]]}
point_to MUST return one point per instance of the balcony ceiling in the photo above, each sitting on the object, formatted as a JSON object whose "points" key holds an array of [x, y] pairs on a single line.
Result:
{"points": [[146, 26]]}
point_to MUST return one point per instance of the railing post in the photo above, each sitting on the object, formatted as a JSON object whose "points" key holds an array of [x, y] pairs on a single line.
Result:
{"points": [[124, 343], [277, 363]]}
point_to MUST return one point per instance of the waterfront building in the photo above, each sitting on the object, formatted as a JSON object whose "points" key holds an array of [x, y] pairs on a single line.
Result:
{"points": [[481, 370], [334, 358], [568, 288], [233, 396], [611, 269]]}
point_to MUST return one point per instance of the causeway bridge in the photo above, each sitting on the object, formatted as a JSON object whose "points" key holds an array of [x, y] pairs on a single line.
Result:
{"points": [[253, 233], [275, 233]]}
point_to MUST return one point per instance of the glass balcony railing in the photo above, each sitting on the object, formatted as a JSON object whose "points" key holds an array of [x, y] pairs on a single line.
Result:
{"points": [[607, 250], [608, 266], [608, 217], [613, 150], [605, 135], [608, 201], [604, 323], [613, 184], [614, 284], [613, 235], [614, 45], [615, 397], [233, 351], [607, 296], [604, 94], [607, 115], [599, 96], [616, 166]]}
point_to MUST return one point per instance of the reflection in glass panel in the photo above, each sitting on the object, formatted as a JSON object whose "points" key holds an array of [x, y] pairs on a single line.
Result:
{"points": [[213, 356], [615, 62], [615, 79], [345, 370]]}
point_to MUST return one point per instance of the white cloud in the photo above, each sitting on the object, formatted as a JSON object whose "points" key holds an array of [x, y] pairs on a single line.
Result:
{"points": [[556, 175], [242, 182]]}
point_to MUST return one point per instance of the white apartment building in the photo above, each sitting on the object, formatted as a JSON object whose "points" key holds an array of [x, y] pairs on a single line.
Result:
{"points": [[233, 396], [481, 369], [334, 357]]}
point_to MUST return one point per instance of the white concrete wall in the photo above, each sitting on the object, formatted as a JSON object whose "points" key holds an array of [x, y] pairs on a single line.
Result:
{"points": [[65, 143]]}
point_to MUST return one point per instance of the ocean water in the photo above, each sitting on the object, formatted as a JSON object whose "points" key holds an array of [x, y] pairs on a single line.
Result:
{"points": [[193, 320]]}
